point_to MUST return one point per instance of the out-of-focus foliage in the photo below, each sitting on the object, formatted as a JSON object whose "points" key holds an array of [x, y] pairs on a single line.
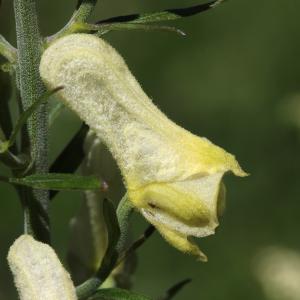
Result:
{"points": [[230, 79]]}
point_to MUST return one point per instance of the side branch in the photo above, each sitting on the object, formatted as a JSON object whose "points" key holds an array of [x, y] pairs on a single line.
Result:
{"points": [[7, 50], [84, 10], [82, 13]]}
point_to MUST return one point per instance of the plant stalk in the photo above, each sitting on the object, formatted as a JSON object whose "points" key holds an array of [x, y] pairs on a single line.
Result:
{"points": [[7, 50], [83, 11], [29, 44], [90, 286]]}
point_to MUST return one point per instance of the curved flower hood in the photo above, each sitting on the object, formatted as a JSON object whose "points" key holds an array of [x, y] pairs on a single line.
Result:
{"points": [[172, 176]]}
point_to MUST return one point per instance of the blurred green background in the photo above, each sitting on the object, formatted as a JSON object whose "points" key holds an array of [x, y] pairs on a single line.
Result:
{"points": [[235, 79]]}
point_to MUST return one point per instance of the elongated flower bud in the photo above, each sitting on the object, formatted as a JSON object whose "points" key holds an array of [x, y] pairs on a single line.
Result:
{"points": [[172, 176], [37, 271], [88, 228]]}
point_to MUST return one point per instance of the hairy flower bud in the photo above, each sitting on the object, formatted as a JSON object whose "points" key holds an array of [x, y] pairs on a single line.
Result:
{"points": [[172, 176], [37, 271]]}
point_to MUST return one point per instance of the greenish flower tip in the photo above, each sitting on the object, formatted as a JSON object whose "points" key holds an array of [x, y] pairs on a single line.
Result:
{"points": [[173, 177]]}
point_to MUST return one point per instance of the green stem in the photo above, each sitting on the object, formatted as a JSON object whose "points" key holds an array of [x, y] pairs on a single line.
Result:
{"points": [[124, 211], [7, 50], [31, 88], [84, 10], [82, 13], [89, 287]]}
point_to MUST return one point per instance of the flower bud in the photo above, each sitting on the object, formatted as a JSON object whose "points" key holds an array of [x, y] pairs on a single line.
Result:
{"points": [[88, 236], [172, 176], [37, 271]]}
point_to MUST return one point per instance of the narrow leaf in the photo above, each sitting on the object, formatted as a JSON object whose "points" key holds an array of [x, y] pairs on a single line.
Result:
{"points": [[102, 29], [28, 112], [117, 294], [173, 291], [71, 157], [138, 243], [55, 112], [54, 181], [166, 15]]}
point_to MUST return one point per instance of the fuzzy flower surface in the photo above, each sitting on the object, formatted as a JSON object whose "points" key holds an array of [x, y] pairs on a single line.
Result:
{"points": [[38, 273], [173, 177]]}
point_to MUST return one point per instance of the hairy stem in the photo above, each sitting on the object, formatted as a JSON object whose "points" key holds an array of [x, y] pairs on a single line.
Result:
{"points": [[83, 11], [31, 88], [124, 211]]}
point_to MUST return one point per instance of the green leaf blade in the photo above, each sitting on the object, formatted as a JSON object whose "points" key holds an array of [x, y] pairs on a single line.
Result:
{"points": [[166, 15], [117, 294], [71, 157], [137, 26], [175, 289], [56, 181], [28, 112]]}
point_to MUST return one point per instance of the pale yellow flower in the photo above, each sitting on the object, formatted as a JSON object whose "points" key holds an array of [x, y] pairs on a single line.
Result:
{"points": [[172, 176]]}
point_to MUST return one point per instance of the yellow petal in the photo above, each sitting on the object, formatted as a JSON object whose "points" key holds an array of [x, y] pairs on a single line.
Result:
{"points": [[181, 242]]}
